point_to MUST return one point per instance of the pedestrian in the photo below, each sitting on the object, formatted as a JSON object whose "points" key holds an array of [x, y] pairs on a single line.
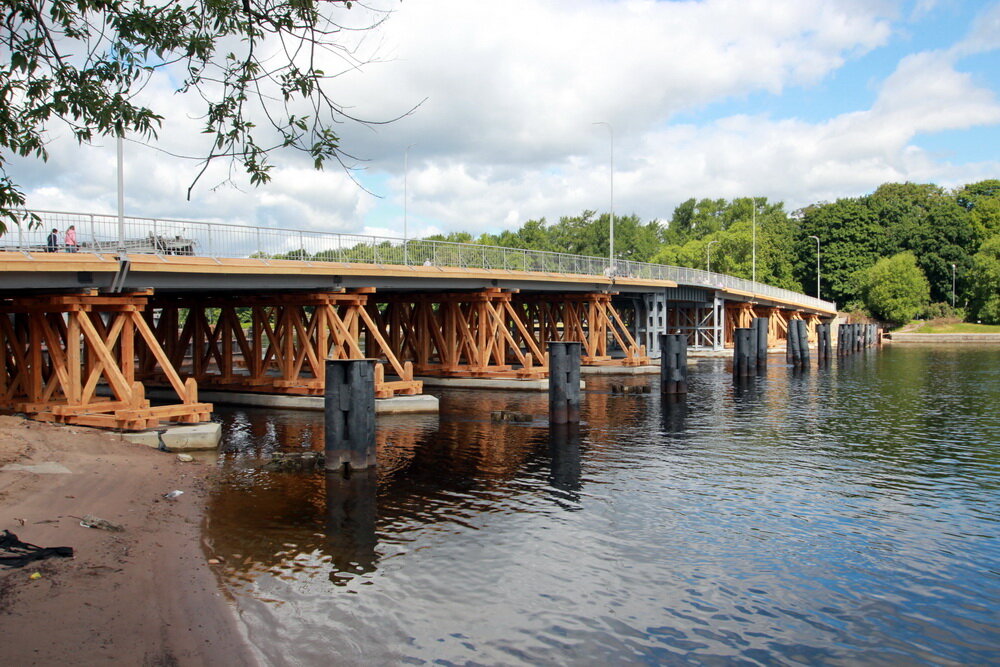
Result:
{"points": [[52, 243], [71, 239]]}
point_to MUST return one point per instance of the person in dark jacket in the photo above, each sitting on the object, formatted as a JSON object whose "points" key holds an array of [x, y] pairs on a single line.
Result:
{"points": [[52, 243]]}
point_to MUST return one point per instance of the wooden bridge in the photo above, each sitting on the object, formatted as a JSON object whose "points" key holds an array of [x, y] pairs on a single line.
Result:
{"points": [[256, 309]]}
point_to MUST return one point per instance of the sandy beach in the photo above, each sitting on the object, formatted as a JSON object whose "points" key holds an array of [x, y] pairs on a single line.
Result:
{"points": [[146, 595]]}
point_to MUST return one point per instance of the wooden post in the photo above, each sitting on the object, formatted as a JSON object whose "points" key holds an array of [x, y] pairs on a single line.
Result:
{"points": [[349, 407], [564, 382]]}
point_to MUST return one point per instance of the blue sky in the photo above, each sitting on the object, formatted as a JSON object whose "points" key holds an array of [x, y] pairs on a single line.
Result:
{"points": [[797, 100]]}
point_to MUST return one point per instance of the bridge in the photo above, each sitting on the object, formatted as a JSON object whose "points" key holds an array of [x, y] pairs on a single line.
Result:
{"points": [[190, 304]]}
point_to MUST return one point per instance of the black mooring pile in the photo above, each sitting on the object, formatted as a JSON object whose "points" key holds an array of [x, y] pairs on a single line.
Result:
{"points": [[349, 419], [564, 382], [760, 326], [744, 353], [673, 364]]}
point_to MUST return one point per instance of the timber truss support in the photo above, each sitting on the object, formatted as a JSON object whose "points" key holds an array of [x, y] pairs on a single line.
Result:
{"points": [[274, 344], [740, 315], [459, 334], [71, 358], [590, 319]]}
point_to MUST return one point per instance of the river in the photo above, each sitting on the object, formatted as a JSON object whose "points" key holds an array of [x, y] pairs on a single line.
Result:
{"points": [[840, 516]]}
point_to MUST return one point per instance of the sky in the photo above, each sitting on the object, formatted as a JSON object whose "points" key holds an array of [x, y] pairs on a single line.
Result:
{"points": [[516, 110]]}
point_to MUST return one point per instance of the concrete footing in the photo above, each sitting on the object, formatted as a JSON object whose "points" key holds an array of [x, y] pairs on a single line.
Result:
{"points": [[423, 404], [488, 383], [179, 438], [619, 370]]}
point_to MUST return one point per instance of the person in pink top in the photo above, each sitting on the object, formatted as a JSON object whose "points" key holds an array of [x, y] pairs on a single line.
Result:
{"points": [[70, 239]]}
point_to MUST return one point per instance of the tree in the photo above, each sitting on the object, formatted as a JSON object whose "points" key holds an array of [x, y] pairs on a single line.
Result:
{"points": [[894, 289], [257, 64], [851, 239], [947, 237], [696, 219], [982, 201], [984, 278], [902, 209], [731, 225]]}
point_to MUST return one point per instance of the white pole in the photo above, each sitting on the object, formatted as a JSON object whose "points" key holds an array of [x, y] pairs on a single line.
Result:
{"points": [[753, 224], [817, 264], [708, 256], [406, 175], [121, 195], [953, 286], [611, 252]]}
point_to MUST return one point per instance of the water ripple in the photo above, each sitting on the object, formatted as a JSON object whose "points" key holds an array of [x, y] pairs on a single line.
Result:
{"points": [[839, 516]]}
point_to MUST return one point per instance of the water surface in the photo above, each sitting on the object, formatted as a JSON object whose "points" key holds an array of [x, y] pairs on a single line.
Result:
{"points": [[844, 515]]}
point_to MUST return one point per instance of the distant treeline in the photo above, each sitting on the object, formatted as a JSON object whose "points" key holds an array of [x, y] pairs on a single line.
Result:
{"points": [[890, 252]]}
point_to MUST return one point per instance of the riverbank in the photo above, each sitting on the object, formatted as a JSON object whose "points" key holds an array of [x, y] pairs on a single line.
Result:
{"points": [[897, 338], [145, 595]]}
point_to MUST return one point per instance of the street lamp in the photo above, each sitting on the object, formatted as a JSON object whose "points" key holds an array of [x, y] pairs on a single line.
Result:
{"points": [[753, 244], [708, 256], [952, 286], [406, 173], [611, 253], [121, 196], [817, 263]]}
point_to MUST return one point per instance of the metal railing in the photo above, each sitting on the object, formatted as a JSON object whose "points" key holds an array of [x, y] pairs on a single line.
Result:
{"points": [[99, 233]]}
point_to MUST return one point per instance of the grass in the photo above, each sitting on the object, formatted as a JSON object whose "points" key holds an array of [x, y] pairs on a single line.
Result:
{"points": [[952, 327]]}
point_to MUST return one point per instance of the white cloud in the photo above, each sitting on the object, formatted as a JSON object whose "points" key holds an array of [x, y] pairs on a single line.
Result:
{"points": [[984, 34], [513, 90]]}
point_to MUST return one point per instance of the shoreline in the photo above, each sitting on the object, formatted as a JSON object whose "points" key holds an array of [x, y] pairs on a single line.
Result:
{"points": [[905, 338], [146, 595]]}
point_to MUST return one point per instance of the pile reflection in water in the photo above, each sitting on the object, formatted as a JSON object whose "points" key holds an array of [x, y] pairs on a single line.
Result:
{"points": [[842, 515], [350, 522]]}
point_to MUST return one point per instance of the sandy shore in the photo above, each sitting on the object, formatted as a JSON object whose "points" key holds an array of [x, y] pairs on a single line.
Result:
{"points": [[145, 596]]}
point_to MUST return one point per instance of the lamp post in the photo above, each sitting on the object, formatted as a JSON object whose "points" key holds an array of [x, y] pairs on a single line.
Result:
{"points": [[121, 196], [406, 174], [611, 252], [952, 286], [753, 243], [708, 256], [816, 238]]}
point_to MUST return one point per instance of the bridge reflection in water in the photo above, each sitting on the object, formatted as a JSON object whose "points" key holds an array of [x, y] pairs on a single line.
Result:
{"points": [[432, 471], [436, 471]]}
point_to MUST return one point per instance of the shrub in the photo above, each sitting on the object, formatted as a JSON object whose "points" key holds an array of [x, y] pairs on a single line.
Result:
{"points": [[895, 289], [942, 310]]}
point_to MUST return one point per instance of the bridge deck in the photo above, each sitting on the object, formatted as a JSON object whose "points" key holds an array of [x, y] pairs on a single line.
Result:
{"points": [[22, 271]]}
